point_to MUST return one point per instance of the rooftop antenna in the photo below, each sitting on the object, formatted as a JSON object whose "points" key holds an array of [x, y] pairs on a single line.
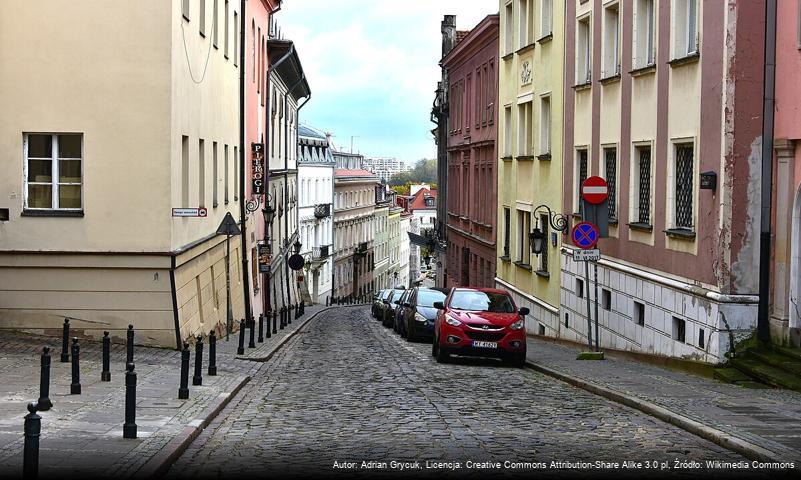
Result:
{"points": [[351, 142]]}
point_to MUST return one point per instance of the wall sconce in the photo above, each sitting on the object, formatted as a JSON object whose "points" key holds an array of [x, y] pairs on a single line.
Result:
{"points": [[709, 181]]}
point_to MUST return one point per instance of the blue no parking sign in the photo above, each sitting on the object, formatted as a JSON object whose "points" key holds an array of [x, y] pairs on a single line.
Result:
{"points": [[585, 235]]}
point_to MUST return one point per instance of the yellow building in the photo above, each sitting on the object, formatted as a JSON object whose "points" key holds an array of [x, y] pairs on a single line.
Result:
{"points": [[530, 100], [111, 120]]}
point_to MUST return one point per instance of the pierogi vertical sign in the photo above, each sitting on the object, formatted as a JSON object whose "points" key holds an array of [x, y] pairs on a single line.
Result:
{"points": [[257, 168]]}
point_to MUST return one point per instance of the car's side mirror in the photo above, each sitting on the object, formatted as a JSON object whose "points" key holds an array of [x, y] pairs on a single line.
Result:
{"points": [[407, 304], [439, 305], [524, 311]]}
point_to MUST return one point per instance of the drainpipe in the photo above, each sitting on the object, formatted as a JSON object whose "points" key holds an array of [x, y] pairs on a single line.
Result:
{"points": [[763, 320], [242, 134]]}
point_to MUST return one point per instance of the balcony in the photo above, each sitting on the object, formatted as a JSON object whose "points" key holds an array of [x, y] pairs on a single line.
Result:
{"points": [[319, 254], [322, 210], [361, 249]]}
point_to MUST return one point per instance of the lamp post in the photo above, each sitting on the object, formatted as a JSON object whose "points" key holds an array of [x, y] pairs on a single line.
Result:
{"points": [[537, 238], [269, 216]]}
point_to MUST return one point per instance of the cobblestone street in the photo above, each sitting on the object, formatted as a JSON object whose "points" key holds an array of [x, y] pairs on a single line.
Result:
{"points": [[348, 390]]}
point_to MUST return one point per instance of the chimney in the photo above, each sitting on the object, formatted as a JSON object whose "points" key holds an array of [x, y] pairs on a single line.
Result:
{"points": [[448, 34]]}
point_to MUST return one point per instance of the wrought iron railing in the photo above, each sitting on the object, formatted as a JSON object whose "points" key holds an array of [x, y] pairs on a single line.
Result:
{"points": [[322, 210], [321, 253]]}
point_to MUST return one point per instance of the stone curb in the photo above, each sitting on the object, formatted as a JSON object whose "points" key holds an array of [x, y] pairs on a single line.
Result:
{"points": [[159, 463], [280, 344], [726, 440]]}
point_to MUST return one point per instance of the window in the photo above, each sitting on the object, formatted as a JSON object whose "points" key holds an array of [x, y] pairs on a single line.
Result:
{"points": [[567, 320], [215, 174], [606, 299], [225, 174], [184, 171], [201, 172], [644, 54], [523, 227], [685, 35], [641, 182], [610, 164], [583, 56], [225, 30], [53, 171], [215, 20], [507, 131], [545, 125], [611, 41], [236, 38], [525, 19], [524, 126], [581, 174], [546, 18], [253, 38], [579, 288], [236, 174], [678, 329], [701, 337], [508, 31], [684, 187], [507, 224], [543, 267], [185, 9], [639, 313]]}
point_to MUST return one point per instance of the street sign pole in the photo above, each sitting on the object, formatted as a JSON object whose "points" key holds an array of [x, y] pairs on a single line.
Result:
{"points": [[597, 348], [589, 311], [229, 315]]}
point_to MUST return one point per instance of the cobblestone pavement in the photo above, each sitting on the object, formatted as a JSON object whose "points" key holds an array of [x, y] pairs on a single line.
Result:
{"points": [[82, 434], [770, 418], [345, 389]]}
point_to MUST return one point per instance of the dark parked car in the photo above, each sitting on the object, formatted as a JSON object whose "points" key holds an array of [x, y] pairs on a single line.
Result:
{"points": [[419, 315], [378, 303], [388, 312], [400, 309], [481, 322]]}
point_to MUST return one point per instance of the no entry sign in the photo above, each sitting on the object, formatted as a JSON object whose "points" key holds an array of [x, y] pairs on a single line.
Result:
{"points": [[585, 235], [595, 190]]}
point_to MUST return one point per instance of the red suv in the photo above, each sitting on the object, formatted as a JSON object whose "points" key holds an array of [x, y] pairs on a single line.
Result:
{"points": [[480, 322]]}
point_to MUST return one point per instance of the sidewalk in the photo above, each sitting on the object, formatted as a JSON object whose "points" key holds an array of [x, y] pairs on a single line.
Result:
{"points": [[82, 434], [762, 424]]}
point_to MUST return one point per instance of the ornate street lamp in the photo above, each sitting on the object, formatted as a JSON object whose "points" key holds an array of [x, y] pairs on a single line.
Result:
{"points": [[269, 214], [296, 246], [537, 237]]}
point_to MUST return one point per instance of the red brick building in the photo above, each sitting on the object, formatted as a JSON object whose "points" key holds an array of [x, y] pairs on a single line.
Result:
{"points": [[472, 178]]}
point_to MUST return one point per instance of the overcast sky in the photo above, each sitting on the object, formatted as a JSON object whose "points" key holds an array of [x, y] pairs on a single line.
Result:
{"points": [[372, 66]]}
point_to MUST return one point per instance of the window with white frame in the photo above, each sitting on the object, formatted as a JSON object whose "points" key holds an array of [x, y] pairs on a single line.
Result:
{"points": [[644, 53], [684, 166], [525, 15], [507, 226], [185, 8], [583, 56], [611, 40], [202, 17], [543, 224], [53, 171], [215, 20], [545, 125], [523, 227], [581, 173], [641, 183], [610, 171], [685, 31], [524, 125], [546, 18], [507, 132], [509, 29], [225, 29]]}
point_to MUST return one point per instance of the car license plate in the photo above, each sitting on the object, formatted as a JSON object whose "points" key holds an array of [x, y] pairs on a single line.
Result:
{"points": [[485, 344]]}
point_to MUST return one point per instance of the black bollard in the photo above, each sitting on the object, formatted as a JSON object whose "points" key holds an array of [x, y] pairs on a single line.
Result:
{"points": [[65, 342], [269, 329], [252, 341], [261, 327], [129, 428], [275, 322], [297, 311], [241, 349], [302, 307], [30, 452], [283, 318], [129, 358], [75, 386], [105, 375], [44, 402], [212, 354], [183, 390], [197, 379], [326, 301]]}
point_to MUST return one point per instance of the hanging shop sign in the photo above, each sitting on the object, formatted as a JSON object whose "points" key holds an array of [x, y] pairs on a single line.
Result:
{"points": [[265, 258], [257, 168]]}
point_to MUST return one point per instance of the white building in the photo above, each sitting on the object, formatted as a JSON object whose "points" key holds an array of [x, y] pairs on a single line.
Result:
{"points": [[316, 216], [385, 167], [404, 247]]}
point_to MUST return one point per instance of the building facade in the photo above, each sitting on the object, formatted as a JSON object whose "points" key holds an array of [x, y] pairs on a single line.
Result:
{"points": [[531, 79], [472, 155], [121, 254], [786, 224], [381, 277], [385, 167], [664, 100], [354, 205], [316, 183]]}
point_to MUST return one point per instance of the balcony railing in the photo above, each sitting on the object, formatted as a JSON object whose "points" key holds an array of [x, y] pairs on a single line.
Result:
{"points": [[322, 210], [321, 253], [361, 249]]}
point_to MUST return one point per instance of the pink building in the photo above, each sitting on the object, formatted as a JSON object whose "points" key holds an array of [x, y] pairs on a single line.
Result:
{"points": [[786, 281]]}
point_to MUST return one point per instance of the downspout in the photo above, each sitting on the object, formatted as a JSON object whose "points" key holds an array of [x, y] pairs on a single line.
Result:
{"points": [[242, 134], [769, 101]]}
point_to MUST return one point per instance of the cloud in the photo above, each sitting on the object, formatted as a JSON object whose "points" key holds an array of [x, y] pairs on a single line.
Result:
{"points": [[373, 67]]}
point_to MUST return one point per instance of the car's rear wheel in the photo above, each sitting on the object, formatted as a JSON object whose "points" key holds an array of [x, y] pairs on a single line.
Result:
{"points": [[434, 346], [410, 337], [442, 355]]}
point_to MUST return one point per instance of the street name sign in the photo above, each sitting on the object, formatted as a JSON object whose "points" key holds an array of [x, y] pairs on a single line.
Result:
{"points": [[592, 255], [189, 212], [595, 190], [585, 235]]}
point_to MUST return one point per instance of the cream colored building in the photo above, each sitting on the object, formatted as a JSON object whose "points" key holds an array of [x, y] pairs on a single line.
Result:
{"points": [[531, 78], [110, 121]]}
